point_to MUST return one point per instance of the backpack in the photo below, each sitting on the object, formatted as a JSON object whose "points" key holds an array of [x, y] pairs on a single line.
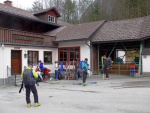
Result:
{"points": [[28, 78], [81, 64], [109, 62]]}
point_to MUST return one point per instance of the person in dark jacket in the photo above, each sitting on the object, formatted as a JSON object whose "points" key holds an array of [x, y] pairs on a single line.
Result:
{"points": [[30, 85], [77, 69], [106, 67]]}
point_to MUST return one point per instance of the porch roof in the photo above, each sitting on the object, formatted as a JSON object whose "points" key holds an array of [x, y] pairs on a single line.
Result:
{"points": [[123, 30], [78, 32]]}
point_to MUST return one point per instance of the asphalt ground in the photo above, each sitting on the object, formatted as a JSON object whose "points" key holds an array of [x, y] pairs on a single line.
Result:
{"points": [[119, 94]]}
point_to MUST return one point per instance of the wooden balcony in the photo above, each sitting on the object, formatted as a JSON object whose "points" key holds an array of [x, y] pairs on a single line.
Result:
{"points": [[10, 36]]}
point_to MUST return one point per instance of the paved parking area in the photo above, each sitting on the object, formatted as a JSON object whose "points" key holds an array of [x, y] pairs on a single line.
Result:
{"points": [[120, 94]]}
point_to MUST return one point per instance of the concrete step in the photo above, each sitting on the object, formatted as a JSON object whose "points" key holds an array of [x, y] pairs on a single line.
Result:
{"points": [[18, 80]]}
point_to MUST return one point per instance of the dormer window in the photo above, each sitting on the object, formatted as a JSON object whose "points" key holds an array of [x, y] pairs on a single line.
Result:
{"points": [[51, 18]]}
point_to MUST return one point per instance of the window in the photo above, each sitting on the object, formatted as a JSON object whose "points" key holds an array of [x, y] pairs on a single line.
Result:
{"points": [[33, 57], [51, 18], [47, 57], [69, 54]]}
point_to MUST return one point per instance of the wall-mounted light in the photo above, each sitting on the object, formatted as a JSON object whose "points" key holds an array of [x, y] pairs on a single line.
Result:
{"points": [[25, 55]]}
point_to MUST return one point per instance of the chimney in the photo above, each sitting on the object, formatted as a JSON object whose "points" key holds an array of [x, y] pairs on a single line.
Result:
{"points": [[7, 2]]}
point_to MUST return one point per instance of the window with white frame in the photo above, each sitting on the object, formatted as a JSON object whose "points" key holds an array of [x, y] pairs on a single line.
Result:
{"points": [[51, 18]]}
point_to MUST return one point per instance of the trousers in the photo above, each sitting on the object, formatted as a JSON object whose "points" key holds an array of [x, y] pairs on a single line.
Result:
{"points": [[34, 91], [84, 75]]}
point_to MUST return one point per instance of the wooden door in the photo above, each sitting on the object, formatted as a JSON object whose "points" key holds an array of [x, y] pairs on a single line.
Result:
{"points": [[95, 60], [16, 61]]}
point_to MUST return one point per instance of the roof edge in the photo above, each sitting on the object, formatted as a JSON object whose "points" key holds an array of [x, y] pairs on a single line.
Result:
{"points": [[16, 44], [83, 39]]}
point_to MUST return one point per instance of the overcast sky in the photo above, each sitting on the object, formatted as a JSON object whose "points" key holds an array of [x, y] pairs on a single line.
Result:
{"points": [[21, 3], [24, 4]]}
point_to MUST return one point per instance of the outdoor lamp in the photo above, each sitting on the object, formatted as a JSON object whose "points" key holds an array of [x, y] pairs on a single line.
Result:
{"points": [[25, 55]]}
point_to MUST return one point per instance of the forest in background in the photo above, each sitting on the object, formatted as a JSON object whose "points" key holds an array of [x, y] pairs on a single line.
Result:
{"points": [[81, 11]]}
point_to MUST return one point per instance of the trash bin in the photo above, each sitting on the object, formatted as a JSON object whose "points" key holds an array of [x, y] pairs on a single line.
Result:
{"points": [[132, 70]]}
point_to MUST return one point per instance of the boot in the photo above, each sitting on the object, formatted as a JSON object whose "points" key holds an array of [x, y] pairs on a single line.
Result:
{"points": [[37, 104]]}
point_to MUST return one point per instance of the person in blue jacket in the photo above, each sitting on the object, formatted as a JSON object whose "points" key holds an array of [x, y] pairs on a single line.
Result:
{"points": [[85, 67], [42, 68]]}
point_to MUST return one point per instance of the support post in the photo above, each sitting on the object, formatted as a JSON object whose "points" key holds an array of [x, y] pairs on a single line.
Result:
{"points": [[15, 80], [103, 74], [98, 61], [140, 58], [112, 50]]}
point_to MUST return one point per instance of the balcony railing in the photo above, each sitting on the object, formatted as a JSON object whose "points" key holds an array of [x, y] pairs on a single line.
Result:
{"points": [[22, 37]]}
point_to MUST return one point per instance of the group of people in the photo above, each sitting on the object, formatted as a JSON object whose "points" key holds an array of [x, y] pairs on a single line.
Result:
{"points": [[29, 75]]}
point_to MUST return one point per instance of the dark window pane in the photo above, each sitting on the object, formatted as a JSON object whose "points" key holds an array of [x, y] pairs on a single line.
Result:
{"points": [[47, 57], [33, 57], [15, 55], [69, 54]]}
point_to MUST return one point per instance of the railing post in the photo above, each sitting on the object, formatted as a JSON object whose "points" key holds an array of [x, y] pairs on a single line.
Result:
{"points": [[15, 80], [119, 68]]}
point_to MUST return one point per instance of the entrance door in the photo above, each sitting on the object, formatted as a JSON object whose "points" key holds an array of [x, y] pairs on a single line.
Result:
{"points": [[16, 61]]}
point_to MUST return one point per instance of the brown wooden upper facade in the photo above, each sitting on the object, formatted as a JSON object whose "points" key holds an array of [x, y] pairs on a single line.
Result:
{"points": [[18, 26]]}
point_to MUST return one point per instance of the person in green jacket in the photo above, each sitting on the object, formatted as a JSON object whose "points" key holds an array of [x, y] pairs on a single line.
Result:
{"points": [[29, 76]]}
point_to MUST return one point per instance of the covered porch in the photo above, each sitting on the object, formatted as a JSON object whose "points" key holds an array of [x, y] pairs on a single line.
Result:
{"points": [[124, 55]]}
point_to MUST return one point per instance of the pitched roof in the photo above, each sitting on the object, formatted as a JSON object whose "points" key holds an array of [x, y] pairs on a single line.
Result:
{"points": [[55, 31], [79, 31], [17, 11], [20, 12], [128, 29], [46, 10], [63, 23], [145, 29]]}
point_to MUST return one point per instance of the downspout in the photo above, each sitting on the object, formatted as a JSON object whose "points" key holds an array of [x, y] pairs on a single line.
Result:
{"points": [[87, 43], [2, 45]]}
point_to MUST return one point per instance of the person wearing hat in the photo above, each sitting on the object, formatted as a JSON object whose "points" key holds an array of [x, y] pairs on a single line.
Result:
{"points": [[85, 67], [29, 76]]}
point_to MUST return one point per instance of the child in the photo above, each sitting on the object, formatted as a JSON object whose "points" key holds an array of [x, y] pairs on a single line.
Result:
{"points": [[37, 70]]}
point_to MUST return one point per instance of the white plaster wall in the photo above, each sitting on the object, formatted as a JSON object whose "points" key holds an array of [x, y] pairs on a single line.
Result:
{"points": [[41, 57], [146, 63], [84, 48], [5, 61], [5, 58]]}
